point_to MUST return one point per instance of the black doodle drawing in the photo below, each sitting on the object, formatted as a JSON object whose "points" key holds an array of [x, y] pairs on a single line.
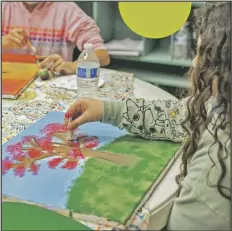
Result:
{"points": [[159, 119]]}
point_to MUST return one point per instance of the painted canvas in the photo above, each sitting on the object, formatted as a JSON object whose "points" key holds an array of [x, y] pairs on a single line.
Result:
{"points": [[104, 175], [18, 71]]}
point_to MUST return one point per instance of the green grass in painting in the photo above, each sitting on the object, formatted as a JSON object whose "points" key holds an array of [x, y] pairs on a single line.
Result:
{"points": [[112, 191]]}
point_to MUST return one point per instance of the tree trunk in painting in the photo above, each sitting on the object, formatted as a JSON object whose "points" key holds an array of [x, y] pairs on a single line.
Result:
{"points": [[119, 159]]}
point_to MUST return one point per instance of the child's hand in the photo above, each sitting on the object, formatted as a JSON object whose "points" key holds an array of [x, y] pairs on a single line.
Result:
{"points": [[85, 110], [55, 63], [17, 38]]}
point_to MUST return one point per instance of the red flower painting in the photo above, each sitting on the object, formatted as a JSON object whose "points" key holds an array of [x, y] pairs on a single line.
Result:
{"points": [[24, 155], [52, 144]]}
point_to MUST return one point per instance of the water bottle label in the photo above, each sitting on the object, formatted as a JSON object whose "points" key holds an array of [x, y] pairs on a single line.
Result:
{"points": [[88, 73]]}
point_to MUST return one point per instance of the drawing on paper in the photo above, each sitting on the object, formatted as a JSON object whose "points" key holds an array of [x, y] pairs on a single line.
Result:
{"points": [[105, 173]]}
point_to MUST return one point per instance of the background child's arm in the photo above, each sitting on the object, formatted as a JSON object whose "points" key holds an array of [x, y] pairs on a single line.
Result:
{"points": [[158, 119], [83, 29]]}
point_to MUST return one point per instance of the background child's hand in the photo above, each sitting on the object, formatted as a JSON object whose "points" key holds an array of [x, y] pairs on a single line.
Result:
{"points": [[85, 110], [55, 63], [17, 38]]}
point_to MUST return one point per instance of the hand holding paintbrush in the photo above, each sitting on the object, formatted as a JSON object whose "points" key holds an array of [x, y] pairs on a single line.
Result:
{"points": [[16, 38], [84, 111]]}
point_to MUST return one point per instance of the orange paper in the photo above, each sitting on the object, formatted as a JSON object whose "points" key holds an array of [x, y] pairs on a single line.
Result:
{"points": [[19, 58], [18, 71]]}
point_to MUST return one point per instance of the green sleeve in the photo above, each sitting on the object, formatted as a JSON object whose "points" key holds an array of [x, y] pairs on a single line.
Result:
{"points": [[157, 119]]}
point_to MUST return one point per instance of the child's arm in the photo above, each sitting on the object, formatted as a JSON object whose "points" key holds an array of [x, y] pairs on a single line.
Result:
{"points": [[16, 38], [83, 29], [158, 119]]}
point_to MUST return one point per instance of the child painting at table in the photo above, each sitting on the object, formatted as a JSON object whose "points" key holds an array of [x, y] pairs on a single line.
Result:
{"points": [[201, 122], [54, 29]]}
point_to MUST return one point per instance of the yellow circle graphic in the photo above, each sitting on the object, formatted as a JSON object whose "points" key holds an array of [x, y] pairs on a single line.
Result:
{"points": [[155, 19]]}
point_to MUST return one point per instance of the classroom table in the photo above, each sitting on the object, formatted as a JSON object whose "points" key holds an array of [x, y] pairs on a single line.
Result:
{"points": [[40, 98]]}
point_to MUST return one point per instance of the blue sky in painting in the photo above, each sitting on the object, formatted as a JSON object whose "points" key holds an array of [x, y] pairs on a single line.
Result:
{"points": [[50, 187]]}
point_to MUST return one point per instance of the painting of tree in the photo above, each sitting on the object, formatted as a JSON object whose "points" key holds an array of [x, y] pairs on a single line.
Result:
{"points": [[53, 145], [45, 166]]}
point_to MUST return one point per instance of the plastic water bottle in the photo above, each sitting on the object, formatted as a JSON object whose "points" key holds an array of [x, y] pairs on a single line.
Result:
{"points": [[87, 72]]}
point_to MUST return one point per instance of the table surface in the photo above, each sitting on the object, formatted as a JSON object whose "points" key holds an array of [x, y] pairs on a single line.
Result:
{"points": [[19, 114], [148, 91]]}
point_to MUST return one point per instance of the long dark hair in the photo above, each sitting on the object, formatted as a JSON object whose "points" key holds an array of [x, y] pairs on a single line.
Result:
{"points": [[211, 71]]}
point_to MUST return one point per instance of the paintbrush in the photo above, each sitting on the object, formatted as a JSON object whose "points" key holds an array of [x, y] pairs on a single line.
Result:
{"points": [[69, 116], [43, 73], [31, 46]]}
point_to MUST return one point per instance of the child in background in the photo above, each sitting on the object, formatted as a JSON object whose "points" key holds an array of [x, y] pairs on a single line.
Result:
{"points": [[54, 29], [201, 122]]}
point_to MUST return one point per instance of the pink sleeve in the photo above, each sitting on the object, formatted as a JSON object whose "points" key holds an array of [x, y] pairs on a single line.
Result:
{"points": [[4, 8], [83, 29]]}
